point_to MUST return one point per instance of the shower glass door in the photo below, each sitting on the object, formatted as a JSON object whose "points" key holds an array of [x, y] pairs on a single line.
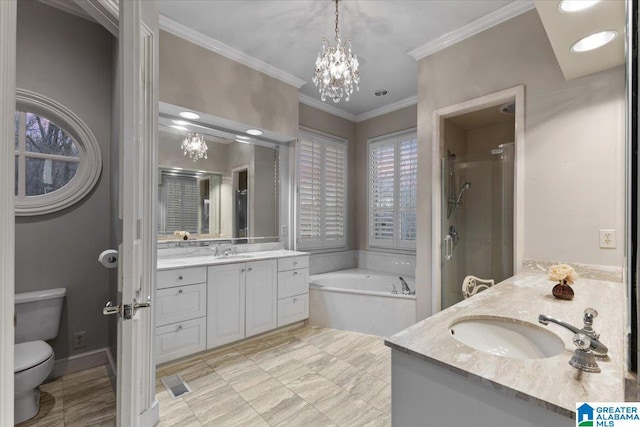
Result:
{"points": [[477, 218]]}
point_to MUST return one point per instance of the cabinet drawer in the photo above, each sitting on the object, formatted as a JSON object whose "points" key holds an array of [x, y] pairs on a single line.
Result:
{"points": [[293, 263], [294, 282], [181, 276], [181, 303], [293, 309], [180, 339]]}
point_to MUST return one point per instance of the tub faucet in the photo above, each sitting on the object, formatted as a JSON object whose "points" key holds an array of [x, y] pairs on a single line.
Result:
{"points": [[406, 290], [596, 346]]}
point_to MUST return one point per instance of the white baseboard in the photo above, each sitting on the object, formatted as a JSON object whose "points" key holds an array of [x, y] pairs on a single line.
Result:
{"points": [[80, 362]]}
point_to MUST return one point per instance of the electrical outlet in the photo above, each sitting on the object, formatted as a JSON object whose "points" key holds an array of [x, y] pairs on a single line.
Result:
{"points": [[608, 239], [80, 339], [284, 230]]}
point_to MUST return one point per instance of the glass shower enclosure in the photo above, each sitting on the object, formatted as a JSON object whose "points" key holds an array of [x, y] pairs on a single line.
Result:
{"points": [[477, 217]]}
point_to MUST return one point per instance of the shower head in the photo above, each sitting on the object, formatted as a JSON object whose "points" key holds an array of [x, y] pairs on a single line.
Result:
{"points": [[465, 187]]}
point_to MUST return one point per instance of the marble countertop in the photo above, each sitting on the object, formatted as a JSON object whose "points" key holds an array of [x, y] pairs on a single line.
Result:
{"points": [[550, 382], [197, 261]]}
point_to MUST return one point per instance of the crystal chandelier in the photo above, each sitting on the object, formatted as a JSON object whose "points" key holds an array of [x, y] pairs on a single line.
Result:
{"points": [[194, 147], [336, 69]]}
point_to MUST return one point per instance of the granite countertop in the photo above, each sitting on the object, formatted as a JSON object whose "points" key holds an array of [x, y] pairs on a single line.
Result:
{"points": [[197, 261], [550, 382]]}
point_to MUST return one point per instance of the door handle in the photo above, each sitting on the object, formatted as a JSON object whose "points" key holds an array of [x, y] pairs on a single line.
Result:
{"points": [[448, 247], [110, 309]]}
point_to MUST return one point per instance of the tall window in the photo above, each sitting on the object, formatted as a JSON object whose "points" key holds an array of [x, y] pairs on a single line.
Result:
{"points": [[393, 166], [321, 192]]}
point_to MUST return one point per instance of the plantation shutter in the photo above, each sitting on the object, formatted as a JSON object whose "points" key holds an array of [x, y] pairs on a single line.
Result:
{"points": [[334, 194], [309, 193], [321, 192], [181, 204], [407, 184], [393, 166], [382, 193]]}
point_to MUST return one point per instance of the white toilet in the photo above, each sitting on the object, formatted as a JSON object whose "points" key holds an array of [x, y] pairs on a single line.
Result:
{"points": [[37, 319]]}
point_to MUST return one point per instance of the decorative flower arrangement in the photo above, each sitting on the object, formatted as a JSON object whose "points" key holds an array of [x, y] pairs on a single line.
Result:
{"points": [[565, 275], [184, 235]]}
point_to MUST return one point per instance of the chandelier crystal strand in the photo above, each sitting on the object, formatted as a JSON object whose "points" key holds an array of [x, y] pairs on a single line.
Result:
{"points": [[194, 147], [336, 70]]}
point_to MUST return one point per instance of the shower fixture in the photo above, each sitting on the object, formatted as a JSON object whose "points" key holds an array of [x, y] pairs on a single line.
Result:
{"points": [[465, 187]]}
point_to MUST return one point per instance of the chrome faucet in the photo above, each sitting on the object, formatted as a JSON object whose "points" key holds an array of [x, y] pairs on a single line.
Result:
{"points": [[406, 290], [596, 346]]}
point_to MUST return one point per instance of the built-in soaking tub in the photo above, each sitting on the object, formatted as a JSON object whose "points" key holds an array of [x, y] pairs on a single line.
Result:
{"points": [[362, 301]]}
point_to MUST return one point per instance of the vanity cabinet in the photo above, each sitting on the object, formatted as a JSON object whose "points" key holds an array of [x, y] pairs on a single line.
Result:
{"points": [[203, 307], [242, 301], [293, 290], [180, 312]]}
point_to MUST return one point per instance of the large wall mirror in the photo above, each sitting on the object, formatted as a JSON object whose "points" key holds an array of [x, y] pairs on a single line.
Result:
{"points": [[232, 193]]}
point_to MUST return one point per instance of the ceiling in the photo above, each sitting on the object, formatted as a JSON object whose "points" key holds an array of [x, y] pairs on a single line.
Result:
{"points": [[287, 34]]}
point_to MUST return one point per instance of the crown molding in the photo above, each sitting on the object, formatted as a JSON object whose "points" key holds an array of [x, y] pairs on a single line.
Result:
{"points": [[327, 108], [387, 109], [177, 29], [472, 28]]}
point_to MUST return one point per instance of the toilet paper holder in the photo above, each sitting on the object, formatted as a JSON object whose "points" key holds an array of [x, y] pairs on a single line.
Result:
{"points": [[109, 258]]}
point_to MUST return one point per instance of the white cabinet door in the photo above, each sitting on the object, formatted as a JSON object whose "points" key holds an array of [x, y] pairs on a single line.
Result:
{"points": [[225, 304], [262, 290]]}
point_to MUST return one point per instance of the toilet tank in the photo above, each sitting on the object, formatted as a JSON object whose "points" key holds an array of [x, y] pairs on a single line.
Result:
{"points": [[38, 314]]}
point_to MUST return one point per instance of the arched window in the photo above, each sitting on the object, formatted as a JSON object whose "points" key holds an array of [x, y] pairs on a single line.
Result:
{"points": [[57, 157]]}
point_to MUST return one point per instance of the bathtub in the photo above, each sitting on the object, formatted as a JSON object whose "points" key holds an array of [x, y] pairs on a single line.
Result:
{"points": [[361, 300]]}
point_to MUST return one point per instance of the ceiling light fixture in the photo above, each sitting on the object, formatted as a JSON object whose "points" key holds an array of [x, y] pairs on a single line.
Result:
{"points": [[336, 69], [594, 41], [194, 147], [576, 5], [254, 132], [189, 115], [179, 127], [181, 122], [380, 92]]}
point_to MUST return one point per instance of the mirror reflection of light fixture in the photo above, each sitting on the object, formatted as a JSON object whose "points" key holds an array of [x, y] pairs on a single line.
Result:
{"points": [[194, 147], [336, 70]]}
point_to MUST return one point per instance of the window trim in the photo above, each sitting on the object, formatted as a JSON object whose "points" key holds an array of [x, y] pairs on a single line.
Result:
{"points": [[89, 165], [332, 244], [395, 245]]}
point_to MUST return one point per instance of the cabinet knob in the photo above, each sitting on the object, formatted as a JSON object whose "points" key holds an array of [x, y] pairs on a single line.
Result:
{"points": [[179, 277], [295, 273], [295, 262], [179, 328], [180, 291], [295, 300], [249, 269], [242, 271]]}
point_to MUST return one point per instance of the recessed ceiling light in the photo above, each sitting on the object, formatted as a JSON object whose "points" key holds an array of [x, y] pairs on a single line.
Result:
{"points": [[381, 92], [575, 5], [180, 122], [179, 127], [594, 41], [254, 132], [189, 115], [242, 137]]}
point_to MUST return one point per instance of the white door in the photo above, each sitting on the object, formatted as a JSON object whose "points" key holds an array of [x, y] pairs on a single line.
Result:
{"points": [[137, 117], [262, 298], [225, 304]]}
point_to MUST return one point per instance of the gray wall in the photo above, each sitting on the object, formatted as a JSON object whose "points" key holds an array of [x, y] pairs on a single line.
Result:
{"points": [[194, 77], [574, 142], [70, 60]]}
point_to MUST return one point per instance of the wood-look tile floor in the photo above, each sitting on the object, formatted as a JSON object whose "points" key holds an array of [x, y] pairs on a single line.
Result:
{"points": [[300, 377]]}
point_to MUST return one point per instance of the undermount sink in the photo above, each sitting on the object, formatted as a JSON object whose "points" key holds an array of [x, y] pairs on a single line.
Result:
{"points": [[238, 256], [507, 337]]}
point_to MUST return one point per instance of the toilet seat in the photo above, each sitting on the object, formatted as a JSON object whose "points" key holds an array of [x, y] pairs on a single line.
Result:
{"points": [[30, 354]]}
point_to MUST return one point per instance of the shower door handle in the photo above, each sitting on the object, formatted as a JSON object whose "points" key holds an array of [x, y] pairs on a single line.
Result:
{"points": [[448, 247]]}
